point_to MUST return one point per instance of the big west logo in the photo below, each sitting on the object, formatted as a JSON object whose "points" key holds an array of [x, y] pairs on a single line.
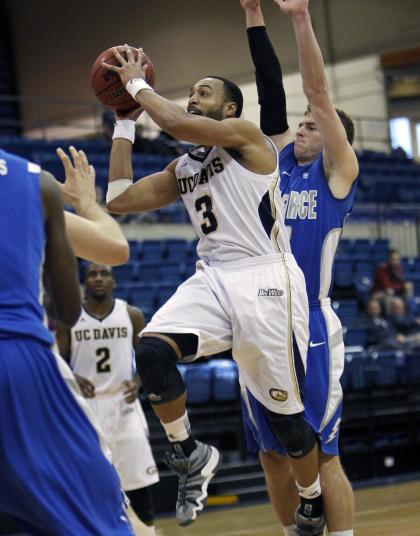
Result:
{"points": [[301, 205], [100, 333], [188, 184]]}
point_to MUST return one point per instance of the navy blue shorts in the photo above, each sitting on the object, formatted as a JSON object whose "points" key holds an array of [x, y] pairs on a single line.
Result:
{"points": [[54, 479], [323, 396]]}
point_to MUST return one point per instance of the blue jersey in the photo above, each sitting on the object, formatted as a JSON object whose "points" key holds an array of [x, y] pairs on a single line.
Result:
{"points": [[315, 219], [22, 240]]}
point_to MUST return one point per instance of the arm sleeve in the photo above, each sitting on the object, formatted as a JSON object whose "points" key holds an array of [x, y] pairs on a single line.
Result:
{"points": [[269, 79]]}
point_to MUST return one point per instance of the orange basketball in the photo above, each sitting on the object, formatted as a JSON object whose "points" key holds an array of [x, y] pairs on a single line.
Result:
{"points": [[107, 85]]}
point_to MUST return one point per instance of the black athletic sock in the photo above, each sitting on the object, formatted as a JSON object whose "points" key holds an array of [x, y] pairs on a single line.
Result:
{"points": [[184, 448], [142, 504], [311, 507]]}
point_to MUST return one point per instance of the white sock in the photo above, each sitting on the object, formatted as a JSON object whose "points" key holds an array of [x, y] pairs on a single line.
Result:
{"points": [[312, 491], [342, 533], [144, 530], [290, 530], [178, 430]]}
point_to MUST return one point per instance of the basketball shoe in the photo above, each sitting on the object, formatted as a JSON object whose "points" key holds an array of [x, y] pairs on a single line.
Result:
{"points": [[195, 473], [309, 526]]}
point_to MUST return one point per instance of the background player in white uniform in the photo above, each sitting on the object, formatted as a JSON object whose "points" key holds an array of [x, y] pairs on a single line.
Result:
{"points": [[100, 350], [248, 293], [318, 173]]}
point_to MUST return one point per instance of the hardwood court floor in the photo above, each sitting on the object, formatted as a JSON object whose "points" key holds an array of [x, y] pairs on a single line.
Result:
{"points": [[381, 511]]}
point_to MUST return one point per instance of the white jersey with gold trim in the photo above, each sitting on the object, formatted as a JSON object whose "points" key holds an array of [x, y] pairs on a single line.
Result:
{"points": [[235, 212], [102, 349]]}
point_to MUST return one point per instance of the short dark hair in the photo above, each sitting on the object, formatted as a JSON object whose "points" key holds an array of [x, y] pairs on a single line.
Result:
{"points": [[347, 122], [232, 93], [87, 266]]}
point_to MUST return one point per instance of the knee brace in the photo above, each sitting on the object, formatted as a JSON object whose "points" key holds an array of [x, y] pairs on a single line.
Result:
{"points": [[156, 365], [294, 433]]}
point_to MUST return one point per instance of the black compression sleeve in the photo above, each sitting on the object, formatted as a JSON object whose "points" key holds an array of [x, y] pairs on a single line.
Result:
{"points": [[269, 79]]}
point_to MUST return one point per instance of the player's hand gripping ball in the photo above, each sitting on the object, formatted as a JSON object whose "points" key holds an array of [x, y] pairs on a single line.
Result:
{"points": [[107, 85]]}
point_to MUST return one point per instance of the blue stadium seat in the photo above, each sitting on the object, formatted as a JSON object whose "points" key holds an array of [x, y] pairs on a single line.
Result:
{"points": [[358, 365], [122, 292], [170, 273], [126, 273], [384, 367], [151, 248], [144, 296], [148, 273], [355, 337], [164, 292], [182, 367], [198, 381], [177, 249], [343, 273], [225, 380], [412, 368], [347, 311]]}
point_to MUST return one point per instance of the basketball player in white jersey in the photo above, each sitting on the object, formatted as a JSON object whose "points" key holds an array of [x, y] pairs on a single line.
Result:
{"points": [[100, 351], [247, 294]]}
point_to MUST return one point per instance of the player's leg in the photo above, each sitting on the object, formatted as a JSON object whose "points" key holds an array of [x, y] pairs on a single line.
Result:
{"points": [[281, 489], [338, 496], [52, 465], [192, 323], [127, 436], [323, 400], [260, 439], [271, 351], [142, 504]]}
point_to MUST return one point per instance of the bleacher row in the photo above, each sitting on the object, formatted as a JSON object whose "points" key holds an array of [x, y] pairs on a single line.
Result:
{"points": [[216, 380], [157, 267], [384, 178]]}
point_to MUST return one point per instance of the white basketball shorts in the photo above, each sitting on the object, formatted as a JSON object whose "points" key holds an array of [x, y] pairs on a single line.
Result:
{"points": [[258, 308], [126, 433]]}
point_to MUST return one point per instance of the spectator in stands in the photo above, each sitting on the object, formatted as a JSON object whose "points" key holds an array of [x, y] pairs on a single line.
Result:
{"points": [[405, 324], [411, 302], [381, 334], [389, 276]]}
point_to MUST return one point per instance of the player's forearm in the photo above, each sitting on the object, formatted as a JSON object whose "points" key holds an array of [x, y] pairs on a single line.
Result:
{"points": [[169, 116], [96, 236], [254, 17], [269, 79], [120, 166], [311, 63]]}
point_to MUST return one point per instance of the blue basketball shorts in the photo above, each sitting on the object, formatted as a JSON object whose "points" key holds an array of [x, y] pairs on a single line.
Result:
{"points": [[54, 479], [323, 396]]}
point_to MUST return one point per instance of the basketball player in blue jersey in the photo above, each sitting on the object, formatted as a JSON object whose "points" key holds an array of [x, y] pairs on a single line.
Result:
{"points": [[52, 464], [99, 349], [246, 281], [318, 171]]}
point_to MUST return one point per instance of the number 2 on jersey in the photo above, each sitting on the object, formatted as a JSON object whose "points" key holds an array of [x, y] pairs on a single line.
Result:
{"points": [[204, 205], [103, 364]]}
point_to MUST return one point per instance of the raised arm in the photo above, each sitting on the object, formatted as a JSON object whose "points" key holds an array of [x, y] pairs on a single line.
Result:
{"points": [[94, 235], [231, 133], [268, 77], [60, 268], [340, 162]]}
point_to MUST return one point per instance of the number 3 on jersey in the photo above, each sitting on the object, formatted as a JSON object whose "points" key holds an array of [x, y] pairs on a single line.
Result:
{"points": [[204, 205]]}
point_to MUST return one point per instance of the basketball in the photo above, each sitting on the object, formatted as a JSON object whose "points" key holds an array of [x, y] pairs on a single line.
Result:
{"points": [[107, 85]]}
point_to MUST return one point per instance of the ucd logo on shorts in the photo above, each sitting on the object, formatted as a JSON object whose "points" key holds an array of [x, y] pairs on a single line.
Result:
{"points": [[279, 395]]}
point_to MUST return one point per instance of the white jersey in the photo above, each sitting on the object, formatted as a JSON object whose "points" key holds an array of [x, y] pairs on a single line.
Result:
{"points": [[235, 212], [102, 349]]}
